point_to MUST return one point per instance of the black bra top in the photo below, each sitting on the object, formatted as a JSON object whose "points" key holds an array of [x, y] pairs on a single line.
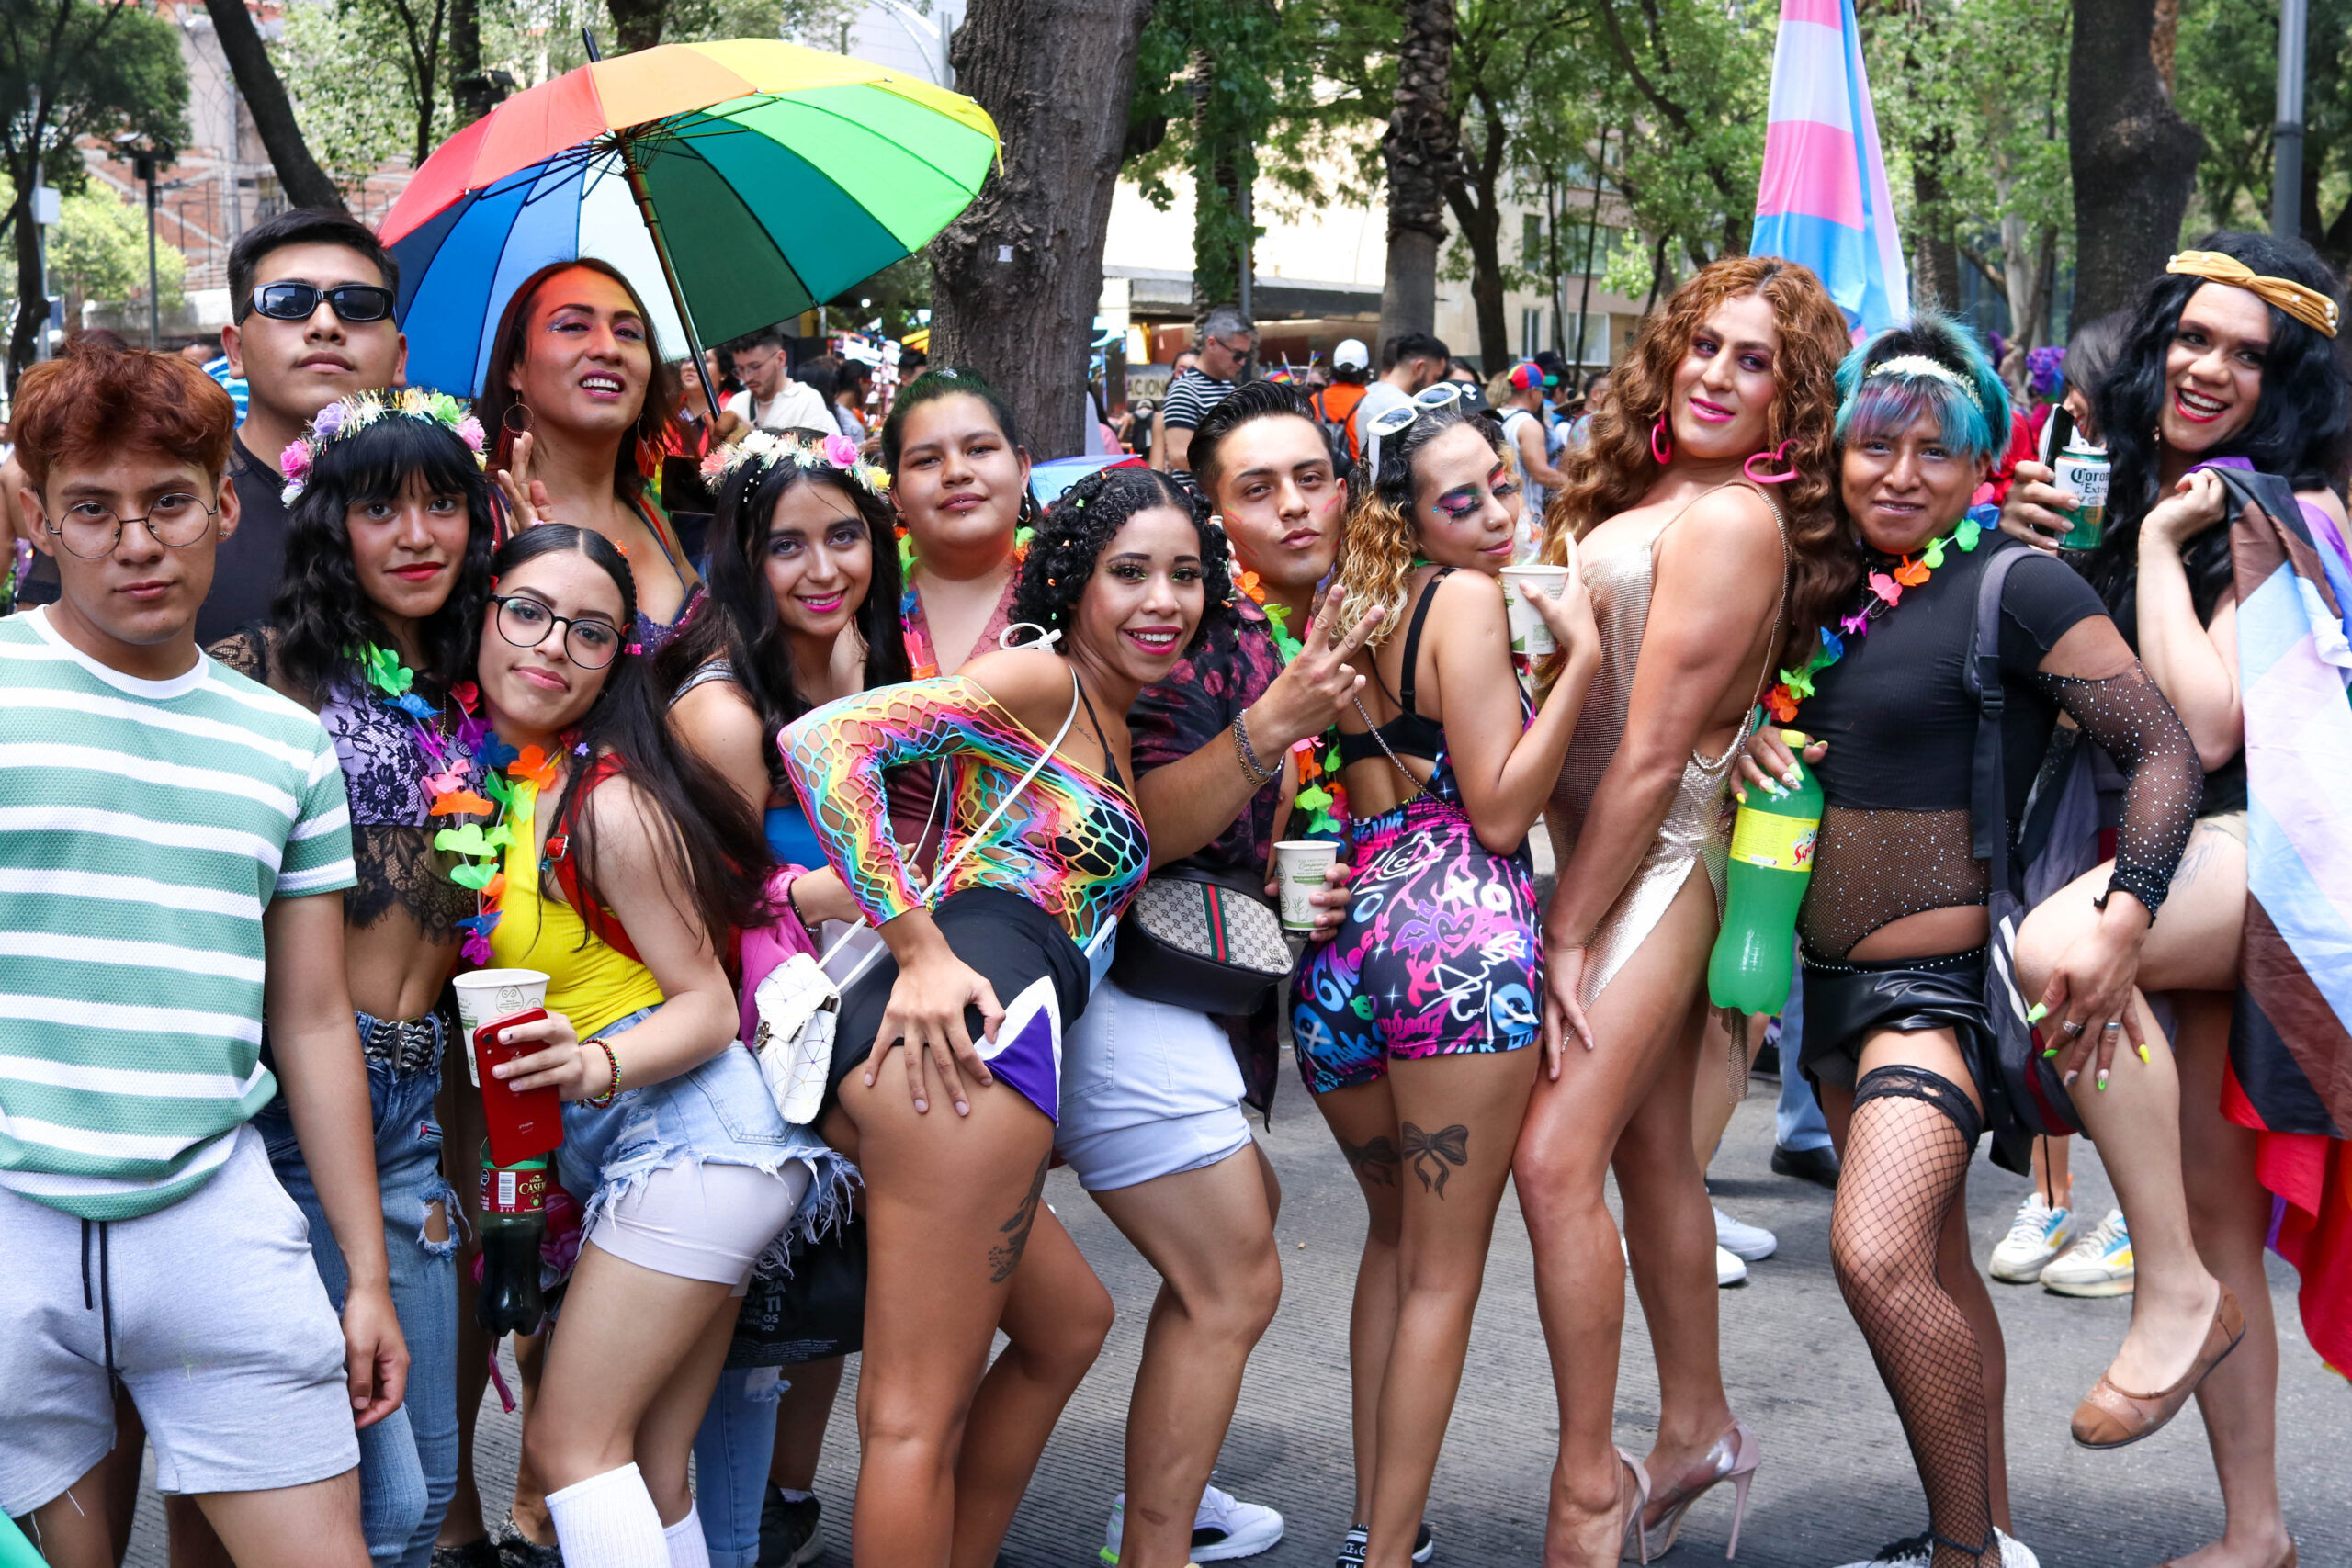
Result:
{"points": [[1110, 763], [1410, 734]]}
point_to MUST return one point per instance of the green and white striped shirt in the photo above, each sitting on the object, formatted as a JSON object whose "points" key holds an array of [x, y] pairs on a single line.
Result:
{"points": [[144, 826]]}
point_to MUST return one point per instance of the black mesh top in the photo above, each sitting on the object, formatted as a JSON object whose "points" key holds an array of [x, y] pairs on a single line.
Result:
{"points": [[1902, 727], [2206, 559]]}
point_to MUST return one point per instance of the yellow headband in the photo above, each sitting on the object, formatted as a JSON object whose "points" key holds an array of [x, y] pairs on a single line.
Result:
{"points": [[2309, 306]]}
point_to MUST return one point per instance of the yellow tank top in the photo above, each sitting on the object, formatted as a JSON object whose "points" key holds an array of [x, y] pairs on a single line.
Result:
{"points": [[589, 982]]}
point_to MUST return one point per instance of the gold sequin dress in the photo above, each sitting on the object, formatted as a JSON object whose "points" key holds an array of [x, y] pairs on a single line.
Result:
{"points": [[1697, 829]]}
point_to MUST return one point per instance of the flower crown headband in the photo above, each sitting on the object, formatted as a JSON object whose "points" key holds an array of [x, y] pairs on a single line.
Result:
{"points": [[804, 450], [348, 416], [1920, 365]]}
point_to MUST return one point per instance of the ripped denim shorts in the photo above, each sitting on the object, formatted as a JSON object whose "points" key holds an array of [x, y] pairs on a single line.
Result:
{"points": [[721, 1113]]}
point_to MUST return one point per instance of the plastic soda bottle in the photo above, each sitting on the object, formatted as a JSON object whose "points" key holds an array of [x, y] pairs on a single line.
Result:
{"points": [[1771, 861], [513, 1222]]}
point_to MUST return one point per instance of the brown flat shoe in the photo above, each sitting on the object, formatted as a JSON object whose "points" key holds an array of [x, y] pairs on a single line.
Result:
{"points": [[2109, 1417]]}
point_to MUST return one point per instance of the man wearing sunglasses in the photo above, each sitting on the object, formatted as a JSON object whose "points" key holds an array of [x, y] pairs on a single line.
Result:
{"points": [[312, 296], [1410, 363]]}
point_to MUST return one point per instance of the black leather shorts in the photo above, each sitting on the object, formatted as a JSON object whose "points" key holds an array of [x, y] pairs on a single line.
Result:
{"points": [[1846, 1003]]}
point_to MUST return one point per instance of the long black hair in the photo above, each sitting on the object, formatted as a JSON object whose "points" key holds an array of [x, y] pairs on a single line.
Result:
{"points": [[738, 621], [953, 380], [711, 834], [324, 621], [2300, 425], [1083, 521]]}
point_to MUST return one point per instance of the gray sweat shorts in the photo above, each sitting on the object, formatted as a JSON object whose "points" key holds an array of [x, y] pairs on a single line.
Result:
{"points": [[211, 1312]]}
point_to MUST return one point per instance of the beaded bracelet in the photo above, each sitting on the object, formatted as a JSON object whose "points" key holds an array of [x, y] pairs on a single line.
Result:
{"points": [[1249, 754], [613, 1088]]}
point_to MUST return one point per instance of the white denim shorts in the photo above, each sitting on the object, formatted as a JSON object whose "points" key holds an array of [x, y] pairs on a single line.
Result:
{"points": [[213, 1315], [1147, 1090]]}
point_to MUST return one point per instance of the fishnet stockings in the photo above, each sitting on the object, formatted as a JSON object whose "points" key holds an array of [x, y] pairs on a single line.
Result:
{"points": [[1904, 1162]]}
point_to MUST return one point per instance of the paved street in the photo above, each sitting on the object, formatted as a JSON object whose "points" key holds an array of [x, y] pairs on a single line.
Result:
{"points": [[1837, 1479]]}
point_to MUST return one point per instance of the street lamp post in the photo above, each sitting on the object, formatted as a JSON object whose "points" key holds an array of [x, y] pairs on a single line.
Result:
{"points": [[2286, 178], [143, 165]]}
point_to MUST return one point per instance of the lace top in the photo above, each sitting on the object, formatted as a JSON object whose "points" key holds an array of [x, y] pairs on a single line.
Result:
{"points": [[1902, 729], [1073, 844], [383, 772]]}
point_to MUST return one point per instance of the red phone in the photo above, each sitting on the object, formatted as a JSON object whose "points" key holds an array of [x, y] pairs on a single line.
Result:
{"points": [[522, 1122]]}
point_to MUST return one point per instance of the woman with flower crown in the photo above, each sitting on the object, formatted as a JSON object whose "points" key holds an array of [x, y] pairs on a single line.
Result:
{"points": [[802, 608], [1899, 1037], [386, 569]]}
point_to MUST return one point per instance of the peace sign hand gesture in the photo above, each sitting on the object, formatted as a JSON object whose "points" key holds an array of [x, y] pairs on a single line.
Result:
{"points": [[1307, 697], [526, 497]]}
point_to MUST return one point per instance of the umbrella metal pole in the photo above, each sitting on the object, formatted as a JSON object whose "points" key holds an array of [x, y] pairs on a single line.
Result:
{"points": [[669, 275]]}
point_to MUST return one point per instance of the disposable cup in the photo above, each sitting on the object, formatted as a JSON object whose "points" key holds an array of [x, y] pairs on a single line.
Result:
{"points": [[1300, 867], [485, 996], [1528, 635]]}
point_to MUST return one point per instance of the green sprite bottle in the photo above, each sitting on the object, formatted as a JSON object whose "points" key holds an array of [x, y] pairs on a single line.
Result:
{"points": [[1771, 861]]}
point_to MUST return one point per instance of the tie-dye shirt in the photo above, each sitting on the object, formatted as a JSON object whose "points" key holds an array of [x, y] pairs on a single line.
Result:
{"points": [[1073, 843]]}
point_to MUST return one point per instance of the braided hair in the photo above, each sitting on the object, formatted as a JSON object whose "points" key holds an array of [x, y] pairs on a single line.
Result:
{"points": [[1078, 527]]}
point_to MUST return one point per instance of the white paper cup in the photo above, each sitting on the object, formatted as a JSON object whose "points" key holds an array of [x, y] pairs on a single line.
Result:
{"points": [[1300, 867], [485, 996], [1528, 635]]}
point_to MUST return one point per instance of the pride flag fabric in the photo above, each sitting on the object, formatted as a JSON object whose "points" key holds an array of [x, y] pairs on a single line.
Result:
{"points": [[1823, 200], [2290, 1038]]}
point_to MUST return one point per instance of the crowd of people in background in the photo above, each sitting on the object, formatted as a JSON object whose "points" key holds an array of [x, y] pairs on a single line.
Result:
{"points": [[326, 690]]}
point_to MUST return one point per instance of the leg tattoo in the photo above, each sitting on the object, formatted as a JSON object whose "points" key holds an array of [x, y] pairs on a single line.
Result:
{"points": [[1432, 1153], [1374, 1161], [1005, 1257]]}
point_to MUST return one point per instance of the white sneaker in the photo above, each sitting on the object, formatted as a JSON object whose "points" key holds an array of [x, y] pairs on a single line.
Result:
{"points": [[2037, 1236], [2098, 1265], [1753, 1243], [1223, 1528], [1918, 1551], [1729, 1269]]}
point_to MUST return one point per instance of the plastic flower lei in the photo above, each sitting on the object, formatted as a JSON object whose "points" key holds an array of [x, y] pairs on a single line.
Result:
{"points": [[348, 416], [1320, 792], [1884, 592]]}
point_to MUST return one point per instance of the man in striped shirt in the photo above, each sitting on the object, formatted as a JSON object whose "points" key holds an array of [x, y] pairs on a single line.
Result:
{"points": [[171, 840]]}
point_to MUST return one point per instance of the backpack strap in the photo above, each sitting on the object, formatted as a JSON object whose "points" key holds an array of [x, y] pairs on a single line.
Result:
{"points": [[1987, 805], [602, 923]]}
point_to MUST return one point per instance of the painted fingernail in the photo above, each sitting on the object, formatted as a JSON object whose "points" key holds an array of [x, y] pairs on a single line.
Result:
{"points": [[1739, 794], [2037, 1012], [2051, 1052], [2073, 1076], [2144, 1053], [1793, 777], [506, 1037], [2102, 1080]]}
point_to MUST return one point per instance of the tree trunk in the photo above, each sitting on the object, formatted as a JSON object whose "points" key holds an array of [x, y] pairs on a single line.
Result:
{"points": [[2133, 156], [469, 88], [1218, 231], [637, 23], [33, 306], [1419, 149], [1472, 194], [299, 175], [1935, 257], [1016, 280]]}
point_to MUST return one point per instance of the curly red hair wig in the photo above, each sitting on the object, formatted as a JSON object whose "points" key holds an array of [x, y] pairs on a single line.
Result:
{"points": [[1615, 468]]}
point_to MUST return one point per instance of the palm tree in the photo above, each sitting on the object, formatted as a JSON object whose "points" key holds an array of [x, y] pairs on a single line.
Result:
{"points": [[1419, 150]]}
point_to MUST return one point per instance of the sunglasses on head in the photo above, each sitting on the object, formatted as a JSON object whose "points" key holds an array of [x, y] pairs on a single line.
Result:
{"points": [[355, 302], [1428, 400]]}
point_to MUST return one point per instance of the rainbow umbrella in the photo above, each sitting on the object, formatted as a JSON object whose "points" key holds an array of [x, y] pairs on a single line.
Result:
{"points": [[733, 184]]}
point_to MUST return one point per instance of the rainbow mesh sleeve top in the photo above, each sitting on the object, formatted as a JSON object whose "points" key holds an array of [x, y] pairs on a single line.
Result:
{"points": [[1073, 844]]}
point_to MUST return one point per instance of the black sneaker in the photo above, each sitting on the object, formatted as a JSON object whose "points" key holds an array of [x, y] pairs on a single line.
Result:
{"points": [[517, 1549], [1351, 1549], [788, 1534], [479, 1553], [1424, 1543]]}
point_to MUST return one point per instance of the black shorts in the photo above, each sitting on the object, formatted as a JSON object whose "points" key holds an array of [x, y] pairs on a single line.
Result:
{"points": [[1846, 1003], [1017, 946]]}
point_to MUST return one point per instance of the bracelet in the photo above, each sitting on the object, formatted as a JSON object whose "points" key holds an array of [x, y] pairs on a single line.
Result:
{"points": [[1249, 753], [792, 900], [612, 1088]]}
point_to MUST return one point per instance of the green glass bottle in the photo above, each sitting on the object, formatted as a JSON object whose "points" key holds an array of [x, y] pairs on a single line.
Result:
{"points": [[1771, 861]]}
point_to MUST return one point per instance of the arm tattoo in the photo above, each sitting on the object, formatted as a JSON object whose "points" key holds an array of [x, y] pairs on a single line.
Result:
{"points": [[1432, 1153], [1005, 1257], [1374, 1161]]}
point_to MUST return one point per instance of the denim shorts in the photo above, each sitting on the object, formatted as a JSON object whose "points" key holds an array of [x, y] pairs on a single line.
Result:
{"points": [[719, 1111]]}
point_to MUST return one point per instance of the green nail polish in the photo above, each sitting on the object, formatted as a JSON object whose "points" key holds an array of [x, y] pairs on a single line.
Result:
{"points": [[2102, 1080], [2051, 1052], [2036, 1013]]}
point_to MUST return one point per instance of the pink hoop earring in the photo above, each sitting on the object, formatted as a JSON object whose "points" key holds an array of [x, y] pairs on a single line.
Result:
{"points": [[1661, 443], [1777, 455]]}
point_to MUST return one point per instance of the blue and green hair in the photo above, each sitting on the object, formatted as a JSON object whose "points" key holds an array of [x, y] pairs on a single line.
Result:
{"points": [[1926, 366]]}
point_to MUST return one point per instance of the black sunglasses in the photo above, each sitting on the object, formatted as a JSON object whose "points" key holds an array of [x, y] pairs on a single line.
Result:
{"points": [[356, 302]]}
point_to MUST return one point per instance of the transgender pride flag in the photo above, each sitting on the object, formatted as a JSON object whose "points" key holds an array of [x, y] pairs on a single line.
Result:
{"points": [[1823, 200]]}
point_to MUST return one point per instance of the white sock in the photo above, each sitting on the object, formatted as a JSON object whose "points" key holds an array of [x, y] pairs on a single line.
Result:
{"points": [[687, 1549], [608, 1521]]}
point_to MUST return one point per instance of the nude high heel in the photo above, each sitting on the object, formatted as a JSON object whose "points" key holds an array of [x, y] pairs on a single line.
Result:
{"points": [[1734, 1457], [1632, 1501]]}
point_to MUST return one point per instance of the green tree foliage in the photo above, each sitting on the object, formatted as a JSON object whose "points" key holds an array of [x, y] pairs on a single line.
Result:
{"points": [[98, 249], [2227, 84], [71, 69]]}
